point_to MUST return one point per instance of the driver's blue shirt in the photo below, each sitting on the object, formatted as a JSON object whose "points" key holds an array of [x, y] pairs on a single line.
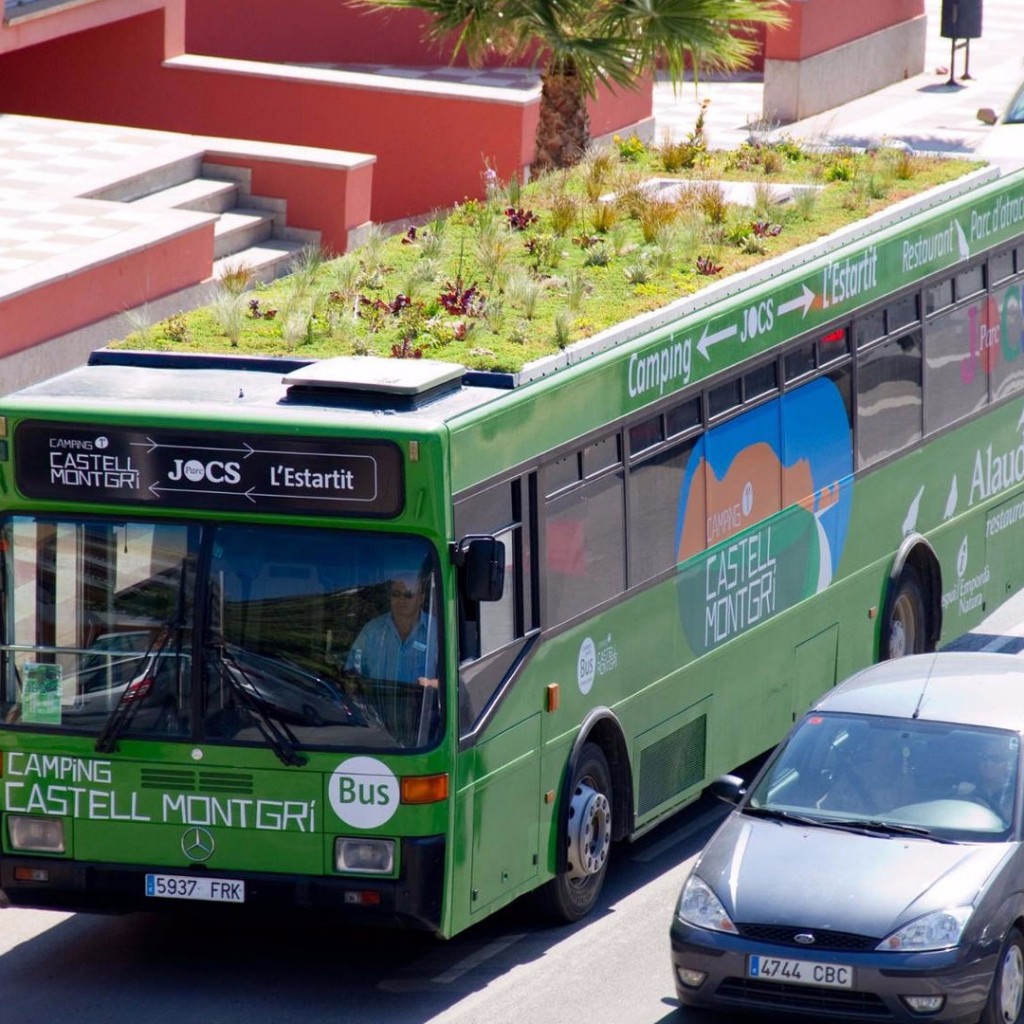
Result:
{"points": [[380, 653]]}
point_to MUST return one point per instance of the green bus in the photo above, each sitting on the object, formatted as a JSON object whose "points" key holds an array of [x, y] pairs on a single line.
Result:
{"points": [[402, 642]]}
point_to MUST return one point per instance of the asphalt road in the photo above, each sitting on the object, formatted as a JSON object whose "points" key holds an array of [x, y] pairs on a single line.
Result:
{"points": [[612, 968]]}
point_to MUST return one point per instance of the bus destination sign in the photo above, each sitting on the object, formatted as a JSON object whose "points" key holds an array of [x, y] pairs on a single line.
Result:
{"points": [[186, 469]]}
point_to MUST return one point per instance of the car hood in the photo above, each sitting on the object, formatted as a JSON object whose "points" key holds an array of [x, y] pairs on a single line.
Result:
{"points": [[1003, 146], [770, 872]]}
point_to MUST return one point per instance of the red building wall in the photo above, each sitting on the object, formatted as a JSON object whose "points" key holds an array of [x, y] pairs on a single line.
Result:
{"points": [[432, 146], [104, 289], [819, 25], [431, 149], [313, 31]]}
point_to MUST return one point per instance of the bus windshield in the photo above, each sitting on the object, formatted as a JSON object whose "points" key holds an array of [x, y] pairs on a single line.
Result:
{"points": [[220, 632]]}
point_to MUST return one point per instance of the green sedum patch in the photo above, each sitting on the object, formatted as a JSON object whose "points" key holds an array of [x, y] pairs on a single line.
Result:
{"points": [[498, 282]]}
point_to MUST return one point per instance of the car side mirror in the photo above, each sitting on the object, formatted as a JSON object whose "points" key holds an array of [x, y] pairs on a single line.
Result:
{"points": [[728, 788], [987, 115], [481, 561]]}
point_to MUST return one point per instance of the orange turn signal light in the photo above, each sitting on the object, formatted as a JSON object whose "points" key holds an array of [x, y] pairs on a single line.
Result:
{"points": [[425, 789]]}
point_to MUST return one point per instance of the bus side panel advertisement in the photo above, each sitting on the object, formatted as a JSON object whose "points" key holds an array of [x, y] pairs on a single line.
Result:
{"points": [[737, 477]]}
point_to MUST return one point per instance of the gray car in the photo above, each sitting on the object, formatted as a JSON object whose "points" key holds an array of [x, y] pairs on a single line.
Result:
{"points": [[874, 869]]}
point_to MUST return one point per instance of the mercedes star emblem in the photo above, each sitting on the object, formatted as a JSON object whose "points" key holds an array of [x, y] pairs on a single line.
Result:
{"points": [[197, 844]]}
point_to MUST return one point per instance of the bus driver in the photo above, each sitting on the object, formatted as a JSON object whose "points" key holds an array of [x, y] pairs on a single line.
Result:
{"points": [[398, 647]]}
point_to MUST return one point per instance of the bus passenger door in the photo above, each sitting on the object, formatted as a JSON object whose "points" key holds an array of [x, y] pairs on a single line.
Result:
{"points": [[506, 813], [814, 669]]}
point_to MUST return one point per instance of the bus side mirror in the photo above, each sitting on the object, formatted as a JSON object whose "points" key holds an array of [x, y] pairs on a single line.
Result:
{"points": [[481, 561]]}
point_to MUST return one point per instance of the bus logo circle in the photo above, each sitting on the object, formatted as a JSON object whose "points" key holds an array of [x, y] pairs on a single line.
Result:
{"points": [[586, 665], [748, 498], [194, 470], [961, 559], [363, 792]]}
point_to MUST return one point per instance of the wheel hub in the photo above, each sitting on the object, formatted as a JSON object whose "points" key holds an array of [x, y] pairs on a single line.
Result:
{"points": [[590, 832], [897, 640], [1011, 985]]}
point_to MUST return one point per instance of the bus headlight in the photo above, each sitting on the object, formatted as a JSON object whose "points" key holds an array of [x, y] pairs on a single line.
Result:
{"points": [[36, 835], [369, 856]]}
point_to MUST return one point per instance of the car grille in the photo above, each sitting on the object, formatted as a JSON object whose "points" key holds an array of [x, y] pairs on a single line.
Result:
{"points": [[803, 998], [785, 935]]}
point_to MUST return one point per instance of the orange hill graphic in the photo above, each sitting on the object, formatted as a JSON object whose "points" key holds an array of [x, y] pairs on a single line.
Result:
{"points": [[714, 508]]}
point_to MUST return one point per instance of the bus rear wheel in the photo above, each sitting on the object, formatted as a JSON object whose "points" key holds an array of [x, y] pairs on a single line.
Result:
{"points": [[587, 840], [906, 627]]}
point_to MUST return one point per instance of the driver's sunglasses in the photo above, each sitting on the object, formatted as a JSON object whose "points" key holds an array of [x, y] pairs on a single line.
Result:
{"points": [[403, 595]]}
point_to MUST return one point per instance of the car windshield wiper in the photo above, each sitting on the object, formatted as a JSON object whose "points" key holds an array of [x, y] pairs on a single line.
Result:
{"points": [[280, 738], [895, 828], [138, 688], [776, 814], [873, 826]]}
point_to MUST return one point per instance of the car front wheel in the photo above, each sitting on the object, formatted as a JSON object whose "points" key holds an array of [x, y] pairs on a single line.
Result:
{"points": [[1006, 1000]]}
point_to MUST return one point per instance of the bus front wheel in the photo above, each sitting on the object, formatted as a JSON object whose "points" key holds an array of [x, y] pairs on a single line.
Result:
{"points": [[586, 839], [905, 624]]}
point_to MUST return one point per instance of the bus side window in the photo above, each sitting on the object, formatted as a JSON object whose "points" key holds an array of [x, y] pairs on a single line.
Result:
{"points": [[489, 513], [491, 633], [824, 401], [585, 546], [889, 397]]}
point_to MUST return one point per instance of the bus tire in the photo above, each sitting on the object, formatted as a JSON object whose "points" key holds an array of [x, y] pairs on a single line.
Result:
{"points": [[1006, 1000], [585, 840], [906, 625]]}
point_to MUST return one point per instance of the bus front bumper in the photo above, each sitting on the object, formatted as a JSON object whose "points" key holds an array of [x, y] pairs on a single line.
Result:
{"points": [[413, 900]]}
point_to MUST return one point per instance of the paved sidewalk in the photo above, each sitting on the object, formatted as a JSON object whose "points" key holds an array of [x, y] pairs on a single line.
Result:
{"points": [[924, 111]]}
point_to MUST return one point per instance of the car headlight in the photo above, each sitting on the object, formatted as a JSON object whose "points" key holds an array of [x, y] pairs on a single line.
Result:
{"points": [[939, 930], [699, 906]]}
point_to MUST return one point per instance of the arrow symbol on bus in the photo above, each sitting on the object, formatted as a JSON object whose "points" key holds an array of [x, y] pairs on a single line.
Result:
{"points": [[151, 446], [156, 489], [707, 340], [805, 300]]}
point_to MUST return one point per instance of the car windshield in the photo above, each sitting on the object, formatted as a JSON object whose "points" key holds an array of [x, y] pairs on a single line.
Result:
{"points": [[1015, 111], [956, 781], [296, 637]]}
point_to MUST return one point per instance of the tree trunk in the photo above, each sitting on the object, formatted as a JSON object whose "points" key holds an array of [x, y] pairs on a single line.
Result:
{"points": [[563, 131]]}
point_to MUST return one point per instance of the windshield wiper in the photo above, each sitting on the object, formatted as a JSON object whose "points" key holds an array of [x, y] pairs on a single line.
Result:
{"points": [[873, 826], [280, 738], [138, 688], [135, 691], [896, 828], [775, 814]]}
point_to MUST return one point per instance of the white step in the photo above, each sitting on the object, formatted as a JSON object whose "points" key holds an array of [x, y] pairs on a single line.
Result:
{"points": [[154, 179], [268, 260], [239, 229], [204, 195]]}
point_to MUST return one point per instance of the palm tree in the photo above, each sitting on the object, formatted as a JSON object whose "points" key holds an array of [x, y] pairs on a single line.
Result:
{"points": [[581, 43]]}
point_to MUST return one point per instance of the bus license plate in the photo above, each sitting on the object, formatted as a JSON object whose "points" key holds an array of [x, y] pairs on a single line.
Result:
{"points": [[188, 887], [800, 972]]}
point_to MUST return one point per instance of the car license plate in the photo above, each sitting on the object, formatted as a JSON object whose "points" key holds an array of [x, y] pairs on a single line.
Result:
{"points": [[189, 887], [800, 972]]}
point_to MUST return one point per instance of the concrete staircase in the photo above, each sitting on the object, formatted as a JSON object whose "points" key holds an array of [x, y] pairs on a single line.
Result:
{"points": [[250, 231]]}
